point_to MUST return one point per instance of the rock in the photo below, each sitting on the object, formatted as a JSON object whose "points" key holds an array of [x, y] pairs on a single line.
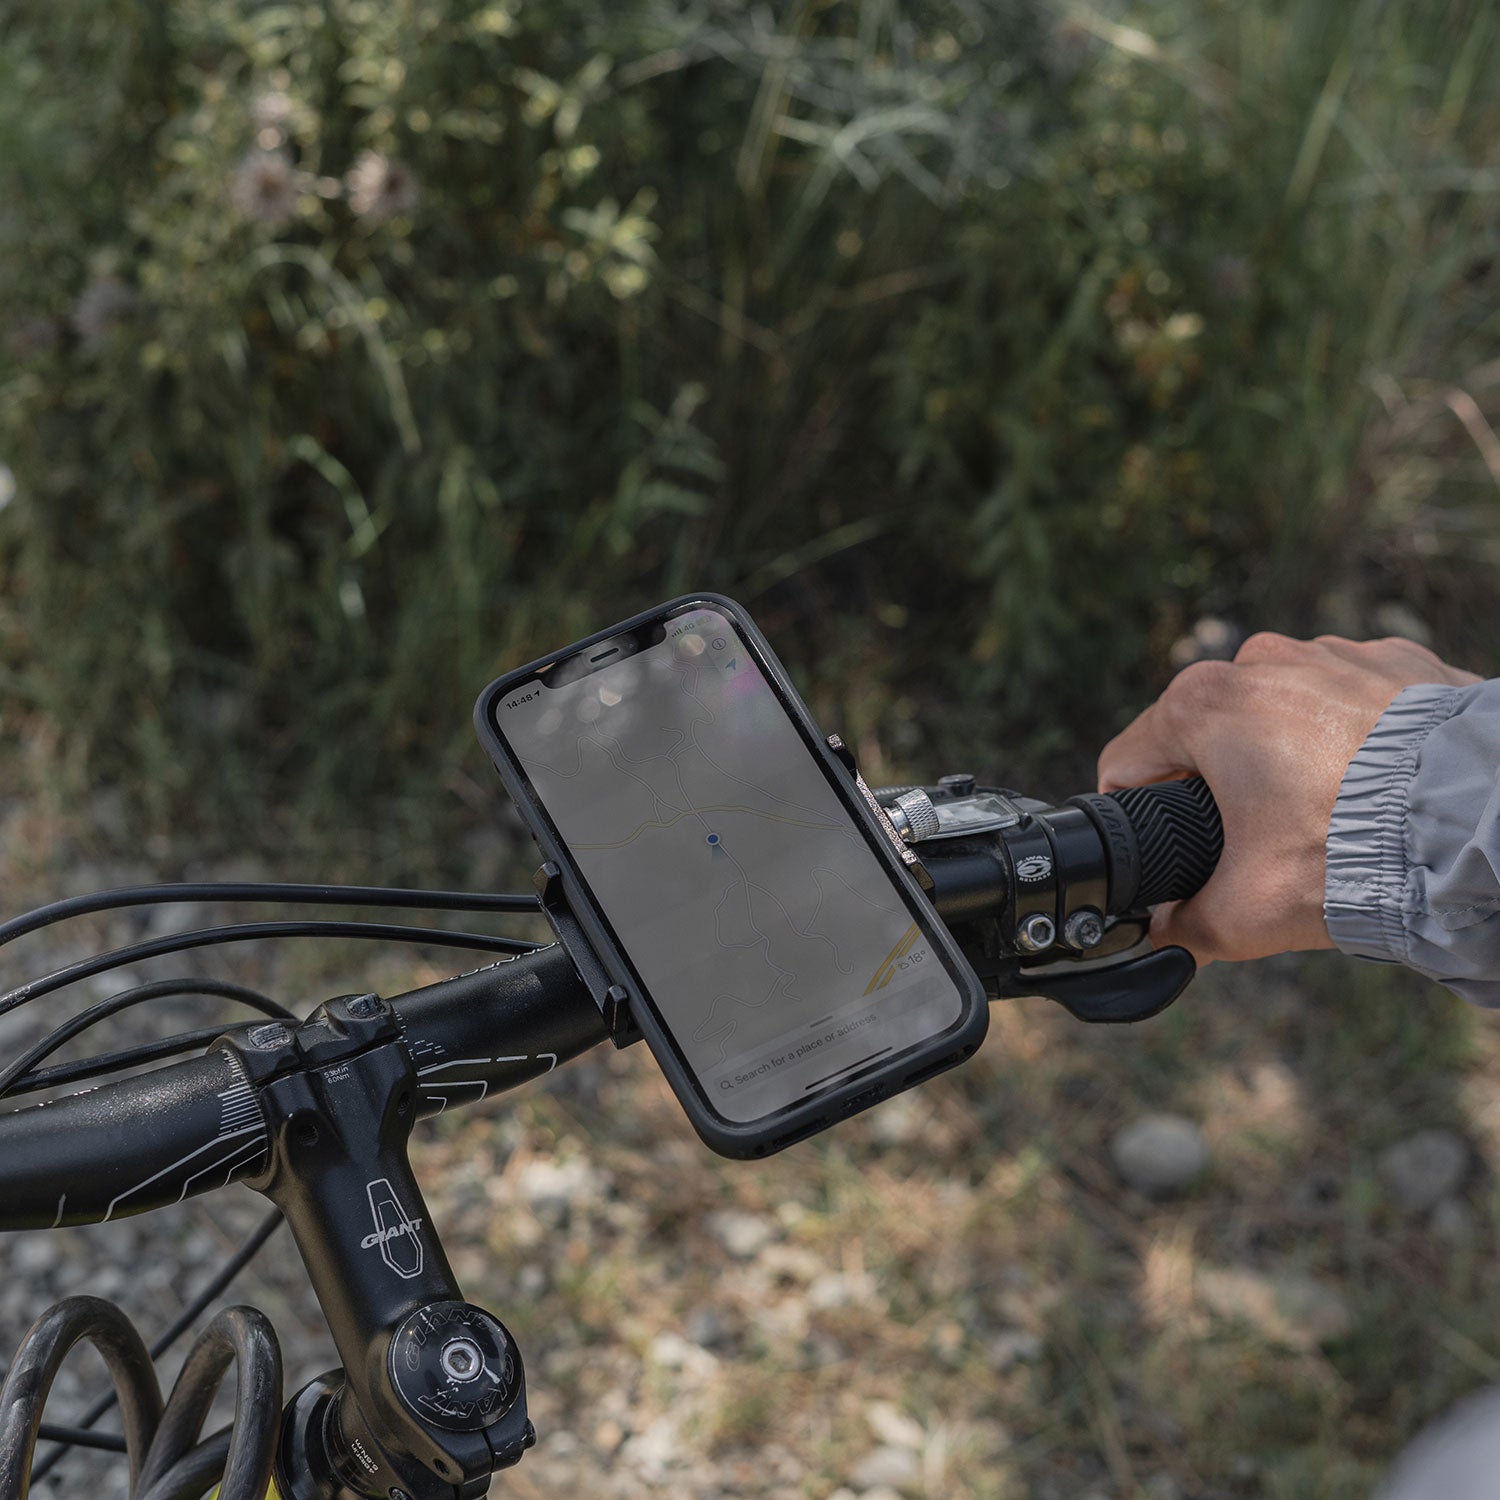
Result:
{"points": [[898, 1121], [1453, 1220], [654, 1452], [892, 1427], [1455, 1457], [886, 1465], [743, 1235], [552, 1189], [1159, 1154], [1288, 1307], [832, 1290], [706, 1328], [1425, 1168], [673, 1352], [35, 1254], [1014, 1346]]}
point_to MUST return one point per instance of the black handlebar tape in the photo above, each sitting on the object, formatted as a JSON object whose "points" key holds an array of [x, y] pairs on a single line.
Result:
{"points": [[1162, 842]]}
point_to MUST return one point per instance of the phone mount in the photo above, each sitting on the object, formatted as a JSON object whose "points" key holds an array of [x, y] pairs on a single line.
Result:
{"points": [[611, 998], [1031, 891]]}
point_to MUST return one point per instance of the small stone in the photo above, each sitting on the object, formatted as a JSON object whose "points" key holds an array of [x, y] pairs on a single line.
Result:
{"points": [[1287, 1307], [881, 1492], [34, 1254], [1425, 1168], [893, 1427], [655, 1451], [531, 1280], [673, 1352], [1453, 1220], [706, 1328], [743, 1235], [886, 1465], [1159, 1154], [897, 1122], [1014, 1346], [831, 1290], [552, 1189], [608, 1436]]}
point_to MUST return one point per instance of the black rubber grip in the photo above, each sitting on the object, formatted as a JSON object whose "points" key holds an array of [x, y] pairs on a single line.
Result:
{"points": [[1178, 838]]}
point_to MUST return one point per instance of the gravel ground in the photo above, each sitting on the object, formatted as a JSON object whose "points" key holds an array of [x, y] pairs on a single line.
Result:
{"points": [[1242, 1250]]}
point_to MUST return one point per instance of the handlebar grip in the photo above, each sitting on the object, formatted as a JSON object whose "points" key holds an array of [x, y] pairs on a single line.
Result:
{"points": [[1178, 838]]}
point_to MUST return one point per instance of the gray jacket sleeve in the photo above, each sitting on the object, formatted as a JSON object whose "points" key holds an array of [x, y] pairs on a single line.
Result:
{"points": [[1414, 842]]}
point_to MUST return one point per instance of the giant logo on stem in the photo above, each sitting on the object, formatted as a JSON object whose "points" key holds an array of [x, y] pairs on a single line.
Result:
{"points": [[395, 1233]]}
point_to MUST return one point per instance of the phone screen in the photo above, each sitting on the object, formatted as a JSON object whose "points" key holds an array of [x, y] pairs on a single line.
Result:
{"points": [[779, 952]]}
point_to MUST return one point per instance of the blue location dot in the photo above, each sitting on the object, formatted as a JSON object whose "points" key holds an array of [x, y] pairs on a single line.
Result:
{"points": [[713, 838]]}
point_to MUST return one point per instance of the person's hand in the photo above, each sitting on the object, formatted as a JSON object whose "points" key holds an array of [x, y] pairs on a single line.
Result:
{"points": [[1272, 732]]}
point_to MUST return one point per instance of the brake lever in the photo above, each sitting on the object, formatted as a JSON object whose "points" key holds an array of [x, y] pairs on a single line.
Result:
{"points": [[1129, 986]]}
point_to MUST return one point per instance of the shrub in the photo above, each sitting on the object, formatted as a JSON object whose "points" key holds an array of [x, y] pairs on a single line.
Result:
{"points": [[354, 351]]}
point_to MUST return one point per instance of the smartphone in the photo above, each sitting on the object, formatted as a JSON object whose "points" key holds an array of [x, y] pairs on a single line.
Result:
{"points": [[782, 963]]}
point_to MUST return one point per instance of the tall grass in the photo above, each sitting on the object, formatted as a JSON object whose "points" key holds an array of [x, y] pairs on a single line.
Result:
{"points": [[983, 347]]}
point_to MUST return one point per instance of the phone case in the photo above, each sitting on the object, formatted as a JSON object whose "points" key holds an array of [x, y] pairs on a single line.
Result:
{"points": [[582, 923]]}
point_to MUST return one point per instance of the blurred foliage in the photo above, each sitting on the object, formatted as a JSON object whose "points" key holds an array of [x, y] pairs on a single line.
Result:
{"points": [[351, 352]]}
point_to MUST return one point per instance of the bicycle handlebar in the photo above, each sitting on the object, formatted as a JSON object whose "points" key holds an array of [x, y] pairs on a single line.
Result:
{"points": [[143, 1142]]}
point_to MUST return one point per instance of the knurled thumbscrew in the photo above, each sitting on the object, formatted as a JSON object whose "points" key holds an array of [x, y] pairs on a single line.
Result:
{"points": [[913, 816]]}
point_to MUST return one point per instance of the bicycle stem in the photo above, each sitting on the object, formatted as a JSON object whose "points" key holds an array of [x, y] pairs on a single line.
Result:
{"points": [[431, 1397]]}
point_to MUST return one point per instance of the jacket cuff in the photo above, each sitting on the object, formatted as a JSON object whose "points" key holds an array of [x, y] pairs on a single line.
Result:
{"points": [[1365, 889]]}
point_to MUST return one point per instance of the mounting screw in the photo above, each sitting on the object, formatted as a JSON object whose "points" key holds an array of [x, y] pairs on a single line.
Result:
{"points": [[959, 784], [913, 816], [1036, 933], [1084, 929]]}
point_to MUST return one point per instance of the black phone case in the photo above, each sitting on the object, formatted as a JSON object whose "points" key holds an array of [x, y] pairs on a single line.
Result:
{"points": [[588, 923]]}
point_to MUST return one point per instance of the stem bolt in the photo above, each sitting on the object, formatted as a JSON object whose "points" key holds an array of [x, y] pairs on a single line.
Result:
{"points": [[1084, 929], [1036, 933], [461, 1359]]}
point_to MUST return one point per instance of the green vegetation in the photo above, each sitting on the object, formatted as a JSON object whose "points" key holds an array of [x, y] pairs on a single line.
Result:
{"points": [[350, 352]]}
